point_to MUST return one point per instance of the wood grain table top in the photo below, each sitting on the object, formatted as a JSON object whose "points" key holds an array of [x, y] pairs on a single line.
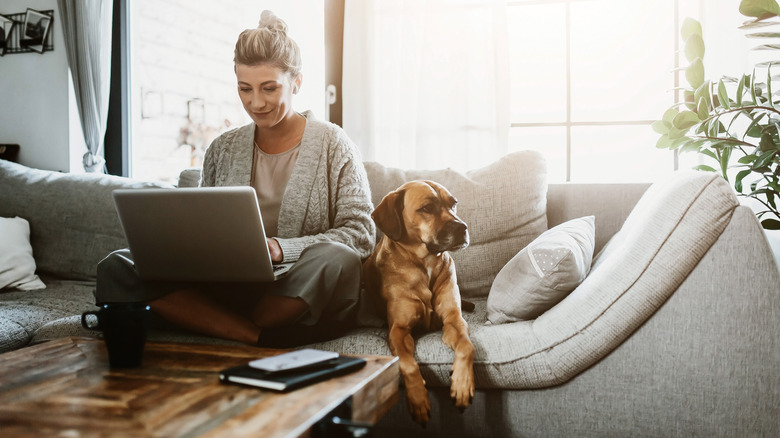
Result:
{"points": [[66, 388]]}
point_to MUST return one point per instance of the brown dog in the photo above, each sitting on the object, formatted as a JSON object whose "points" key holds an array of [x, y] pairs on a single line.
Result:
{"points": [[416, 277]]}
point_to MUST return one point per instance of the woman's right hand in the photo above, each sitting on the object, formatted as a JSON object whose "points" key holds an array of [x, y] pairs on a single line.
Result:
{"points": [[275, 250]]}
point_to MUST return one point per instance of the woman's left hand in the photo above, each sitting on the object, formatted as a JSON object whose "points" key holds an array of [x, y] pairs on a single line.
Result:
{"points": [[275, 250]]}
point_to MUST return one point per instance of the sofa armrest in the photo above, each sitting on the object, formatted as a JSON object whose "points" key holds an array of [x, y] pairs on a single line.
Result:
{"points": [[610, 203]]}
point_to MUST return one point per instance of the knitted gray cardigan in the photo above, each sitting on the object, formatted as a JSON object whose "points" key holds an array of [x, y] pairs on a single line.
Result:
{"points": [[327, 198]]}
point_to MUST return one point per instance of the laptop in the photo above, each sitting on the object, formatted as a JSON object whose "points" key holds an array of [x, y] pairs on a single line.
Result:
{"points": [[204, 234]]}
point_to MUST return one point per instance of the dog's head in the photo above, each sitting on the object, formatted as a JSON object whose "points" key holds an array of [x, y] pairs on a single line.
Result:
{"points": [[422, 212]]}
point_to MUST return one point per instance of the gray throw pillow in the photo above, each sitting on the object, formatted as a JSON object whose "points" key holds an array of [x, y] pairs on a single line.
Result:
{"points": [[543, 273]]}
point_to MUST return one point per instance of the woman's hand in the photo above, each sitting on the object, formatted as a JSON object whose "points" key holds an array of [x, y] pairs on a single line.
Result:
{"points": [[275, 250]]}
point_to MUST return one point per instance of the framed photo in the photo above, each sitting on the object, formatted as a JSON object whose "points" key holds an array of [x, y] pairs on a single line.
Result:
{"points": [[6, 27], [35, 30]]}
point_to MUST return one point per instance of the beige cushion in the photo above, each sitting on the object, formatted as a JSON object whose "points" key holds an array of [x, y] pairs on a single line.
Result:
{"points": [[17, 265], [504, 205], [543, 273]]}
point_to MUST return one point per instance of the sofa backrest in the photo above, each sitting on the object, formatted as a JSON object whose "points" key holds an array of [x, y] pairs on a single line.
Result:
{"points": [[73, 223], [610, 203]]}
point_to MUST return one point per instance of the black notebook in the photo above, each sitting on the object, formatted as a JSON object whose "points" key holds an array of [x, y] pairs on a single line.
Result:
{"points": [[291, 379]]}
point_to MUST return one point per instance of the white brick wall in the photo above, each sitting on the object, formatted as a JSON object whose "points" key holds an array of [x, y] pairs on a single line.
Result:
{"points": [[182, 50]]}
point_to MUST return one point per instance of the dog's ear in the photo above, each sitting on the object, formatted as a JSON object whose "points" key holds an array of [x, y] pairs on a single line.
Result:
{"points": [[388, 215]]}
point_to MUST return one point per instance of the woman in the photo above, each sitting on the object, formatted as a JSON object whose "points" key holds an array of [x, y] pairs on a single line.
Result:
{"points": [[315, 202]]}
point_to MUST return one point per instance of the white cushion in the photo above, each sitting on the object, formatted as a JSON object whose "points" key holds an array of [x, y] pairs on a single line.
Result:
{"points": [[17, 265], [543, 273]]}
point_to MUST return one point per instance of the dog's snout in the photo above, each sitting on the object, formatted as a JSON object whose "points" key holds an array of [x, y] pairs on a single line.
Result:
{"points": [[453, 235], [455, 228]]}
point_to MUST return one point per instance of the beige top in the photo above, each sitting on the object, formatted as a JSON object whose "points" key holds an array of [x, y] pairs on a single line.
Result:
{"points": [[270, 175]]}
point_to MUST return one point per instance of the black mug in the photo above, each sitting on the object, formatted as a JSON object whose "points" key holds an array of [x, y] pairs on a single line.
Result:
{"points": [[124, 327]]}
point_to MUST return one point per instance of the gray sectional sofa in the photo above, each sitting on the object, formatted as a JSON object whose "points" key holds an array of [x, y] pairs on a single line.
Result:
{"points": [[674, 332]]}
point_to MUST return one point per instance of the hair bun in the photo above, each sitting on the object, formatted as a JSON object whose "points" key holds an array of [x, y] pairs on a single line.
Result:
{"points": [[270, 21]]}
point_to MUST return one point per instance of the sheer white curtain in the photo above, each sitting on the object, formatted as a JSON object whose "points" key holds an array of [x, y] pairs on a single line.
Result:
{"points": [[86, 25], [426, 82]]}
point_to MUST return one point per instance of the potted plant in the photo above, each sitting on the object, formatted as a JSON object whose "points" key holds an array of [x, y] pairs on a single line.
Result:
{"points": [[735, 122]]}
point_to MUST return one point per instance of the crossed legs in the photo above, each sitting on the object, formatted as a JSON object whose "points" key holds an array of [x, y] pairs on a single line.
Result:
{"points": [[196, 311]]}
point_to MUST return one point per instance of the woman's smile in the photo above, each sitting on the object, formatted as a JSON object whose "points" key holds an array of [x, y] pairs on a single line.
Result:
{"points": [[266, 93]]}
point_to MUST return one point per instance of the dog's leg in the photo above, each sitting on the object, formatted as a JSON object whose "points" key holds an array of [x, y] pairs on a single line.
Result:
{"points": [[402, 316], [455, 334]]}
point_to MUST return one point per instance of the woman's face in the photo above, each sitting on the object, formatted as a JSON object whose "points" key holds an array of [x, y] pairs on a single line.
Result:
{"points": [[266, 93]]}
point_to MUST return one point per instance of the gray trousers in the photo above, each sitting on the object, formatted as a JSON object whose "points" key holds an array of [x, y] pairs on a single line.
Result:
{"points": [[327, 277]]}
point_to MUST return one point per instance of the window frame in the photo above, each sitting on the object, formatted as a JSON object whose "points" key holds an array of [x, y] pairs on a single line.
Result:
{"points": [[568, 124]]}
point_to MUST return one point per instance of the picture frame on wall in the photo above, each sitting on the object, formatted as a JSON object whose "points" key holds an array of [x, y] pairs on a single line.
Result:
{"points": [[6, 27], [35, 30]]}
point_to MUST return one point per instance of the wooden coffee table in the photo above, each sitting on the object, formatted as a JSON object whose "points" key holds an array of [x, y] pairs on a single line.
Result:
{"points": [[65, 388]]}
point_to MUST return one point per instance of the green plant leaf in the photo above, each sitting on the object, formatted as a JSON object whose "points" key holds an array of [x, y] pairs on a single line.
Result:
{"points": [[755, 24], [660, 127], [710, 154], [738, 179], [760, 9], [703, 92], [690, 146], [763, 35], [753, 87], [694, 48], [704, 168], [753, 130], [767, 47], [669, 115], [770, 224], [763, 160], [685, 120], [690, 27], [741, 89], [767, 143], [703, 109], [747, 159], [694, 74], [663, 142], [675, 133], [723, 96], [725, 157]]}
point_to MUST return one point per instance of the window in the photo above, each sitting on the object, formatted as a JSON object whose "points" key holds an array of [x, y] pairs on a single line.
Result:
{"points": [[588, 79], [182, 85], [584, 80]]}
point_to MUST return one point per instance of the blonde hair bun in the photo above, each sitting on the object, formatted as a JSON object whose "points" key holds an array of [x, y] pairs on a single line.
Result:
{"points": [[270, 21], [268, 43]]}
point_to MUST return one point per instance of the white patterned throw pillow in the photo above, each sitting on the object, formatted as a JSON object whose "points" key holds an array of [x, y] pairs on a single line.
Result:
{"points": [[543, 273]]}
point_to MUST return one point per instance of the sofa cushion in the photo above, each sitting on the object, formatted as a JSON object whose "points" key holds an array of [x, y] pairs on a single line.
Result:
{"points": [[25, 312], [543, 273], [12, 335], [17, 265], [504, 205], [73, 224]]}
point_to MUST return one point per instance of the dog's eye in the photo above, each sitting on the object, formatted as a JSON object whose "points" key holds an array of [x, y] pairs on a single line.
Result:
{"points": [[428, 208]]}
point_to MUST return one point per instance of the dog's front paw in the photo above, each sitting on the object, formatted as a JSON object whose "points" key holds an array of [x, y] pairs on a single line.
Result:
{"points": [[419, 404], [462, 386]]}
